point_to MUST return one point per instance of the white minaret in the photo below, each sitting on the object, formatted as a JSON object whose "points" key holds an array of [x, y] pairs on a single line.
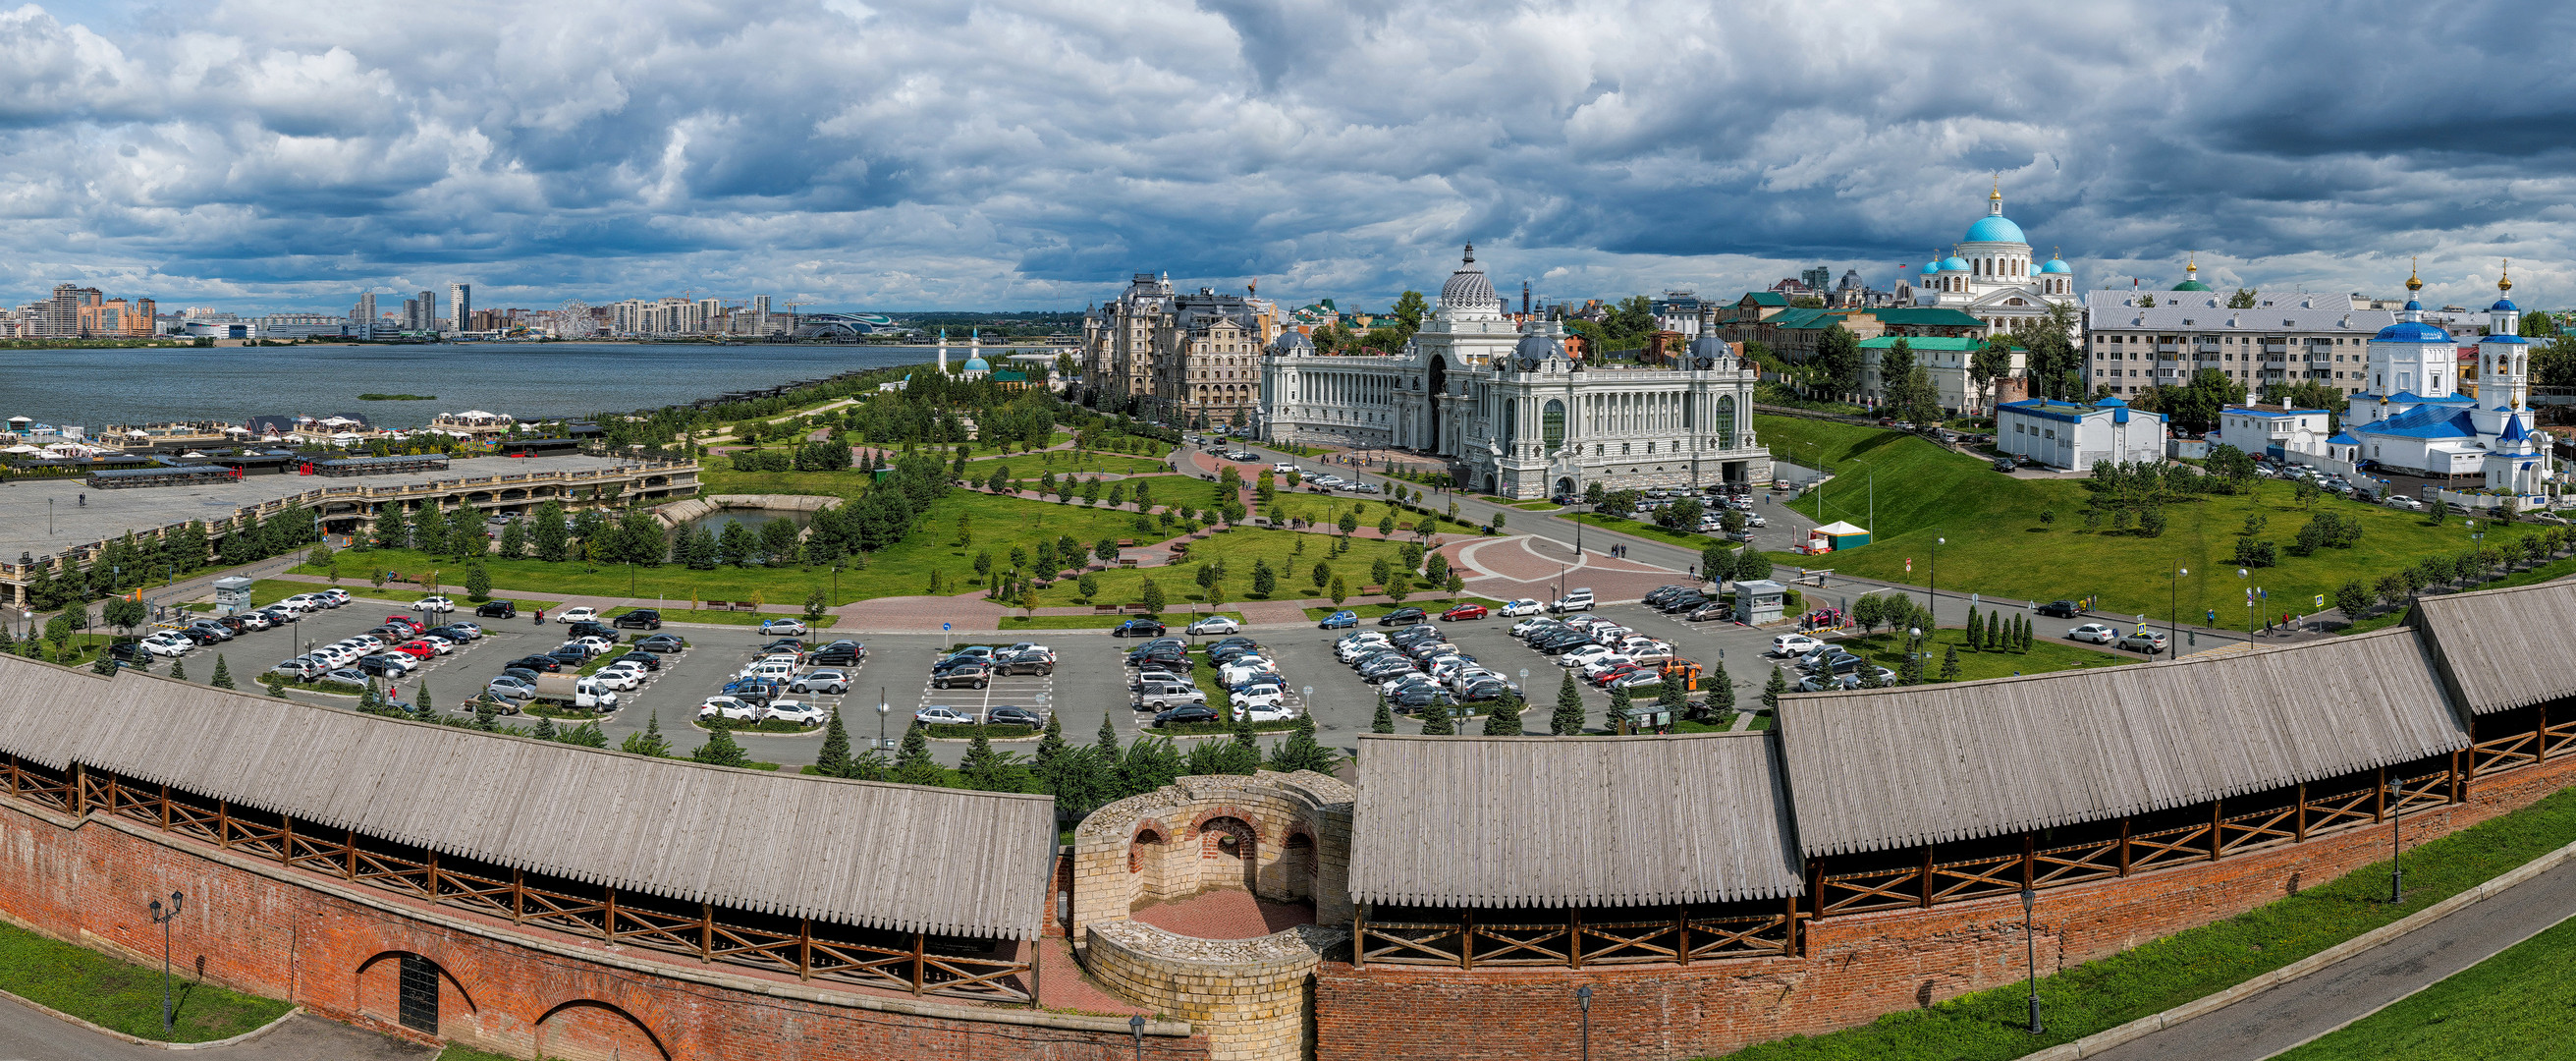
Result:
{"points": [[943, 351]]}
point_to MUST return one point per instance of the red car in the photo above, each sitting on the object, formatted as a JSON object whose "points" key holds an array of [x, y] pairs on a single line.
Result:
{"points": [[417, 649], [1463, 611], [404, 621], [1623, 670]]}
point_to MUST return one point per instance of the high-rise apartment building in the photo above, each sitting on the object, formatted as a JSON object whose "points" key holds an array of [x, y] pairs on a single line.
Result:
{"points": [[428, 312], [460, 306], [365, 311]]}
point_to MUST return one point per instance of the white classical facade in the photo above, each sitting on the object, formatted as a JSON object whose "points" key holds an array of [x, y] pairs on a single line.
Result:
{"points": [[1992, 275], [1513, 412]]}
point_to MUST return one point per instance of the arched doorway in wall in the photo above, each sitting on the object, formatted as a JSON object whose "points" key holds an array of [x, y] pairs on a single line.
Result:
{"points": [[1493, 483], [590, 1030], [1297, 866], [1229, 853], [1437, 386], [1565, 487], [410, 990], [1148, 868]]}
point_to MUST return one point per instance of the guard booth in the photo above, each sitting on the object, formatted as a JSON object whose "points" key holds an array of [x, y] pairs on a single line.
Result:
{"points": [[232, 594], [1759, 601]]}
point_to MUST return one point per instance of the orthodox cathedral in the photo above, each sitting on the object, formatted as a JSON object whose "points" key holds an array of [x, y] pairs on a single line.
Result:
{"points": [[2410, 417], [1990, 274]]}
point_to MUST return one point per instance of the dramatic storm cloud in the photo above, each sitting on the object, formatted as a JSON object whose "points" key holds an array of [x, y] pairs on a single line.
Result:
{"points": [[1030, 154]]}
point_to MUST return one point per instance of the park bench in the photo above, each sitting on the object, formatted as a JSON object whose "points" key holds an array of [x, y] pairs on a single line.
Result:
{"points": [[1104, 609]]}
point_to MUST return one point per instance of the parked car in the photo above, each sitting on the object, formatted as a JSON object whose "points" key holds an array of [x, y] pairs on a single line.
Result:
{"points": [[1709, 611], [1029, 661], [1516, 608], [783, 626], [940, 716], [2060, 609], [1007, 715], [974, 675], [577, 615], [602, 631], [434, 604], [2407, 503], [1138, 628], [1341, 620], [1468, 610], [640, 618], [660, 643], [498, 609], [796, 711], [2005, 464], [2097, 633], [729, 708], [646, 660], [1578, 601], [839, 653], [1182, 716], [2147, 641], [1161, 695], [346, 676], [1215, 624], [820, 681], [1403, 617], [509, 688]]}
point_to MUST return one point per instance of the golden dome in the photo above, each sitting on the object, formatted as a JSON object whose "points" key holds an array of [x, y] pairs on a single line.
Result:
{"points": [[2412, 283], [2504, 281]]}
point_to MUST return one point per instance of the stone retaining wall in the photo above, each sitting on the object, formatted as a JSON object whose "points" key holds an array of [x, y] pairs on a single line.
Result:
{"points": [[679, 512], [1252, 996]]}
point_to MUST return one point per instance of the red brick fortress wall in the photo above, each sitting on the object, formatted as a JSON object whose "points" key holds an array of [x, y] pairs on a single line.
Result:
{"points": [[1854, 969], [333, 948]]}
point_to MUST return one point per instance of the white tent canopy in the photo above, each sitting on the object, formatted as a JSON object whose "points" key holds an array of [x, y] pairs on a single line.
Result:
{"points": [[1838, 528]]}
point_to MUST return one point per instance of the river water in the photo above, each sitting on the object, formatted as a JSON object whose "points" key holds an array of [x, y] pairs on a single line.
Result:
{"points": [[93, 388]]}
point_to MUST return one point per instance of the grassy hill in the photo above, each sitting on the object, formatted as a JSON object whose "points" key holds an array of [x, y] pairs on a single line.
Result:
{"points": [[1998, 542]]}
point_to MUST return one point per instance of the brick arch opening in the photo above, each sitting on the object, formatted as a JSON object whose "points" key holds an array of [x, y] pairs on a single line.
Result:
{"points": [[1298, 865], [411, 990], [1229, 852], [585, 1029]]}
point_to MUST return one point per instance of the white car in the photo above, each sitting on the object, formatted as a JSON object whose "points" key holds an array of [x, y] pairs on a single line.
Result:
{"points": [[1270, 698], [1517, 608], [398, 660], [1270, 712], [1215, 624], [620, 678], [1583, 655], [941, 716], [304, 602], [1600, 665], [2098, 633], [2407, 503], [435, 604], [577, 615], [797, 711], [437, 644], [1793, 645], [789, 627], [167, 643], [333, 597], [732, 710], [595, 643]]}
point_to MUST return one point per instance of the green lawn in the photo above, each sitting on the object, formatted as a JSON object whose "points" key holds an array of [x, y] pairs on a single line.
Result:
{"points": [[1887, 649], [1999, 544], [1240, 548], [1685, 539], [1323, 509], [127, 998], [2161, 974], [995, 523], [2515, 1004], [1541, 505], [1028, 467]]}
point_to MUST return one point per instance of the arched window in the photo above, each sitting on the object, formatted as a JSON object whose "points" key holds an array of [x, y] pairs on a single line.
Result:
{"points": [[1722, 420], [1552, 425]]}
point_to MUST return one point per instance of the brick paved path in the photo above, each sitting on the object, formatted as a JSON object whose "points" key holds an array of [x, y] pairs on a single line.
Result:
{"points": [[1225, 913]]}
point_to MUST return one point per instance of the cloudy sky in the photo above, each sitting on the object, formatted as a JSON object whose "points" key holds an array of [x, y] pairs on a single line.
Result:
{"points": [[1028, 154]]}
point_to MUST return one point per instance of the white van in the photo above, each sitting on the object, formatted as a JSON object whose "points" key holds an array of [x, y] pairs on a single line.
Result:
{"points": [[1578, 601]]}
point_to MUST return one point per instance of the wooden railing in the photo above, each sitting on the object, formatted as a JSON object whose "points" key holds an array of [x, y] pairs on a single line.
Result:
{"points": [[2231, 828], [916, 962], [1507, 939]]}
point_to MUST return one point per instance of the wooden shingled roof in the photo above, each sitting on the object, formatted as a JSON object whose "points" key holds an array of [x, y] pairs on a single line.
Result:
{"points": [[1928, 764], [1570, 821], [2504, 648], [897, 857]]}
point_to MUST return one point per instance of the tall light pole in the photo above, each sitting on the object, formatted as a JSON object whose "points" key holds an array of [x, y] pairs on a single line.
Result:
{"points": [[1929, 595], [2173, 615], [2396, 879], [163, 919], [882, 708]]}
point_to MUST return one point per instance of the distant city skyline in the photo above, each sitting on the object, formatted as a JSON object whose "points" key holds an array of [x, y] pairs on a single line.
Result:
{"points": [[272, 157]]}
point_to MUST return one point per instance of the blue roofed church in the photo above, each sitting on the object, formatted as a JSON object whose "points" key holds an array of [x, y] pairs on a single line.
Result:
{"points": [[2411, 419]]}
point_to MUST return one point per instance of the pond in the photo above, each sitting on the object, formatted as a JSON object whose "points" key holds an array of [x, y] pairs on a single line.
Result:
{"points": [[752, 519]]}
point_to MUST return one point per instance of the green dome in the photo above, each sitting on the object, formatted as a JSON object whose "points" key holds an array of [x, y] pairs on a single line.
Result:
{"points": [[2191, 285]]}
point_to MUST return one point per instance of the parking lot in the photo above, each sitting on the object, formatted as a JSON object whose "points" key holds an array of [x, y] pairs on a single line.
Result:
{"points": [[1089, 681]]}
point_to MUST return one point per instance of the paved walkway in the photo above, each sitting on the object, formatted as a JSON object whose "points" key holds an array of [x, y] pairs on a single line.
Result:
{"points": [[2303, 1009], [29, 1035]]}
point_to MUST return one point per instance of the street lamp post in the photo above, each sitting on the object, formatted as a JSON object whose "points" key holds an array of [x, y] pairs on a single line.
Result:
{"points": [[2030, 954], [163, 919], [1929, 596], [1136, 1028], [882, 708], [2173, 604]]}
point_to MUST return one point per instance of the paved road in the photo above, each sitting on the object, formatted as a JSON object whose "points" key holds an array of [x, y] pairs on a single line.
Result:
{"points": [[2295, 1012], [29, 1035]]}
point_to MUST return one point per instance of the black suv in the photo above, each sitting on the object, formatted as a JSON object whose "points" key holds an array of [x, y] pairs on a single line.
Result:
{"points": [[545, 664], [498, 609], [586, 628], [838, 654], [2058, 609], [1402, 617], [640, 618], [1014, 716]]}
